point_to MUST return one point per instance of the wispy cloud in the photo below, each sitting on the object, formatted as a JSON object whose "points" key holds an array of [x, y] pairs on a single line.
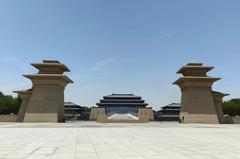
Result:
{"points": [[97, 67], [16, 62], [101, 64], [9, 59], [165, 33], [153, 27]]}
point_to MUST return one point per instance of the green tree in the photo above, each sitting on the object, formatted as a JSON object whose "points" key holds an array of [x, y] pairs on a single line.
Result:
{"points": [[232, 107], [9, 104], [85, 109]]}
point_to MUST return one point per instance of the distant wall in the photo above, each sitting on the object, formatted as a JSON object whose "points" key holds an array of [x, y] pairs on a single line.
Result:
{"points": [[236, 120], [8, 118], [95, 112], [232, 120], [98, 114], [228, 120], [150, 114]]}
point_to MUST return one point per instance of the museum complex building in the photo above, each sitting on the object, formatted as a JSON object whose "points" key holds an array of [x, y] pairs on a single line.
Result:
{"points": [[122, 108], [44, 101]]}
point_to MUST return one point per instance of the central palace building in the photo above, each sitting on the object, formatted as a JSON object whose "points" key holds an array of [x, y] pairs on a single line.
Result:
{"points": [[117, 108]]}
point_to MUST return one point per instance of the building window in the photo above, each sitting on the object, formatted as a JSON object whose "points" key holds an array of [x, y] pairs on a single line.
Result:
{"points": [[111, 110]]}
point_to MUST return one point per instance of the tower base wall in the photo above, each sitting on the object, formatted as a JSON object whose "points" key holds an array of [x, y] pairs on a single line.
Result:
{"points": [[23, 108], [95, 112], [41, 118], [98, 114], [198, 105], [199, 118], [46, 104]]}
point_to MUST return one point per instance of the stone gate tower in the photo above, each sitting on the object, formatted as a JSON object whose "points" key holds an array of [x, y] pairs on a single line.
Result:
{"points": [[199, 104], [45, 101]]}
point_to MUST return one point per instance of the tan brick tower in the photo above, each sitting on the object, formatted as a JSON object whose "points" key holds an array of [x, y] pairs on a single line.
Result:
{"points": [[45, 102], [218, 100], [197, 103], [25, 96]]}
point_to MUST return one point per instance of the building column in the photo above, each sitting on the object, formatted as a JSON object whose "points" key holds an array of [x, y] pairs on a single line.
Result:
{"points": [[218, 97], [25, 96]]}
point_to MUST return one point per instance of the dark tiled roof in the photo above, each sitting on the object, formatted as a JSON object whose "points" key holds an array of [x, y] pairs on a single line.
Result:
{"points": [[121, 96], [122, 100], [121, 104], [172, 107], [70, 104]]}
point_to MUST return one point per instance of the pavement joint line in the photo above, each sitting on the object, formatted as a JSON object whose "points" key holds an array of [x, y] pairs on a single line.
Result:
{"points": [[156, 140]]}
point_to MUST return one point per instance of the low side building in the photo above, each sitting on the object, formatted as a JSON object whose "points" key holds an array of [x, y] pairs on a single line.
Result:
{"points": [[120, 108], [72, 111], [169, 112]]}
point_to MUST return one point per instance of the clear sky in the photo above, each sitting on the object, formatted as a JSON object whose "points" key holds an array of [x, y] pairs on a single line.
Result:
{"points": [[120, 46]]}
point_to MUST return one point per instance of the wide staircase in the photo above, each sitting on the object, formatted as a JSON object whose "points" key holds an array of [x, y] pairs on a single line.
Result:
{"points": [[122, 117]]}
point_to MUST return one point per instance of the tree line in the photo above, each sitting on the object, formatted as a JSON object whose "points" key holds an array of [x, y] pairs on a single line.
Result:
{"points": [[232, 107], [9, 104]]}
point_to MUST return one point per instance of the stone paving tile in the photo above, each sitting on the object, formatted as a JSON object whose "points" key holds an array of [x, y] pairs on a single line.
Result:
{"points": [[89, 140]]}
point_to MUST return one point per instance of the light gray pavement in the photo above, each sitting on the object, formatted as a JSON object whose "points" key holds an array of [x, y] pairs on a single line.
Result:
{"points": [[89, 140]]}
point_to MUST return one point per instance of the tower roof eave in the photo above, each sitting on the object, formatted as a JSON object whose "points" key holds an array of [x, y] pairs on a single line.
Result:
{"points": [[23, 91], [49, 76], [195, 79], [39, 66], [205, 69], [220, 93]]}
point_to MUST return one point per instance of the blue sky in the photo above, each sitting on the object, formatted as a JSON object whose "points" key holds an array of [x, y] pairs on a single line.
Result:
{"points": [[120, 46]]}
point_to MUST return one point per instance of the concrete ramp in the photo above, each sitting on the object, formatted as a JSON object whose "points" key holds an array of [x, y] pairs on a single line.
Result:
{"points": [[123, 117]]}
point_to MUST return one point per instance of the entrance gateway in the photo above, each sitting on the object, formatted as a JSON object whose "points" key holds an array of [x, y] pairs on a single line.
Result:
{"points": [[44, 102]]}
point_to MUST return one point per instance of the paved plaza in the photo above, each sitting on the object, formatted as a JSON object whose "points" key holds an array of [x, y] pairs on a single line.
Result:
{"points": [[90, 140]]}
